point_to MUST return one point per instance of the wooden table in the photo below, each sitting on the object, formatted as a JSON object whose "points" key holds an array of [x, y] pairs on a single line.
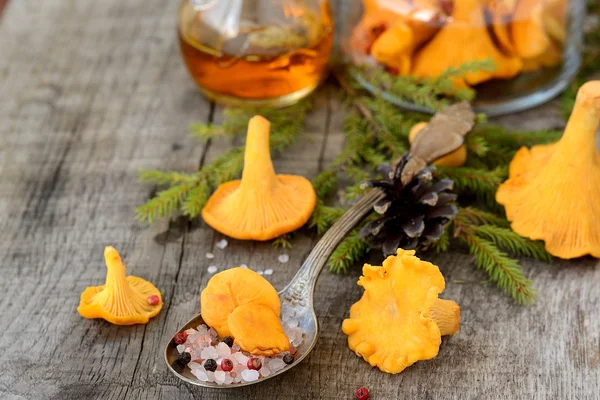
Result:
{"points": [[92, 91]]}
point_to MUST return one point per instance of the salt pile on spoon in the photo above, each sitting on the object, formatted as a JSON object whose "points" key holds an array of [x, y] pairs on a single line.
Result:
{"points": [[203, 345]]}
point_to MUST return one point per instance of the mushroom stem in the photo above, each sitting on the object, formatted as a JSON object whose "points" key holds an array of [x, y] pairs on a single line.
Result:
{"points": [[446, 314], [258, 176], [579, 140], [115, 275]]}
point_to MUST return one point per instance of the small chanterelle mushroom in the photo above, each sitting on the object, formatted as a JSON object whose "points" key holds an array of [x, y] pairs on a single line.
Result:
{"points": [[262, 205], [464, 38], [399, 320], [553, 191], [122, 300]]}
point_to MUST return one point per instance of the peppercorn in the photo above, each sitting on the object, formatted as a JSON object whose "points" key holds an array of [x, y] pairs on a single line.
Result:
{"points": [[228, 340], [254, 363], [153, 300], [288, 358], [361, 394], [226, 364], [184, 358], [210, 365], [180, 337]]}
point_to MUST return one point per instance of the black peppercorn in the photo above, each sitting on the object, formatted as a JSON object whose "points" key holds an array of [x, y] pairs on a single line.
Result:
{"points": [[210, 365]]}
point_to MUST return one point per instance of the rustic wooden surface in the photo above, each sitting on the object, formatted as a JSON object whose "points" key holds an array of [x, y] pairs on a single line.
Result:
{"points": [[90, 92]]}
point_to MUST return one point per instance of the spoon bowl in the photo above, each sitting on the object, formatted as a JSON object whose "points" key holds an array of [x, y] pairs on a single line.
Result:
{"points": [[298, 295]]}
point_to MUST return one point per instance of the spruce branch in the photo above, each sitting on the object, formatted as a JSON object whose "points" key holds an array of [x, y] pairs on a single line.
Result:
{"points": [[433, 93], [348, 253], [479, 182], [513, 242], [504, 271]]}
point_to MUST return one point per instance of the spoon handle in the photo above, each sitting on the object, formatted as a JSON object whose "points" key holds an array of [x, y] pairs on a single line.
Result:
{"points": [[300, 289]]}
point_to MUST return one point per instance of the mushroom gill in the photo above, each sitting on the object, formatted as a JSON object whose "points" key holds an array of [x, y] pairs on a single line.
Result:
{"points": [[122, 300], [553, 191]]}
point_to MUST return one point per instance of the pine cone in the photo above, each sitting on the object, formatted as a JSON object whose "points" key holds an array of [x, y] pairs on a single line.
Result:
{"points": [[413, 215]]}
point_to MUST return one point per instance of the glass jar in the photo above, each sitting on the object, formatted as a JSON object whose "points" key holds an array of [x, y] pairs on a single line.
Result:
{"points": [[534, 46], [256, 52]]}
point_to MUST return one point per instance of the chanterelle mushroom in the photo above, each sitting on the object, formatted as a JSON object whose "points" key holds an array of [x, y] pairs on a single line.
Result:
{"points": [[122, 300], [527, 29], [262, 205], [399, 320], [553, 191], [464, 38]]}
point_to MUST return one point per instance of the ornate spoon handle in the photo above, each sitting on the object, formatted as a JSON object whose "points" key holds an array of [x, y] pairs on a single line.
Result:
{"points": [[300, 289]]}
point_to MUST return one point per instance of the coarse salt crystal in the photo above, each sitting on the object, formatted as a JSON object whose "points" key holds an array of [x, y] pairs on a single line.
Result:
{"points": [[212, 269], [243, 266], [228, 379], [212, 333], [210, 256], [287, 311], [238, 368], [260, 272], [250, 375], [209, 352], [276, 364], [221, 244], [283, 258], [202, 329], [223, 349], [240, 358], [220, 377], [292, 323], [265, 371], [235, 348], [180, 348], [268, 271], [211, 376], [201, 375], [297, 341]]}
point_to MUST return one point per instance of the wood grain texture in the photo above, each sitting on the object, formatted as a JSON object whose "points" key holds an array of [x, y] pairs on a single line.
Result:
{"points": [[93, 91]]}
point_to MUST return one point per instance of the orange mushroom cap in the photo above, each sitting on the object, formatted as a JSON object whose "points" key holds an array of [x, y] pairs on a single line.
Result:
{"points": [[399, 319], [464, 38], [553, 191], [527, 29], [122, 300], [262, 205], [239, 302]]}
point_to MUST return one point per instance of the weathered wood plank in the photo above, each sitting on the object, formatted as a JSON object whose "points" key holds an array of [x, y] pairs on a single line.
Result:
{"points": [[111, 97]]}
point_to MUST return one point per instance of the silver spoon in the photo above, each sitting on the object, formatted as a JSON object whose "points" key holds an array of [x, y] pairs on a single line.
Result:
{"points": [[298, 294]]}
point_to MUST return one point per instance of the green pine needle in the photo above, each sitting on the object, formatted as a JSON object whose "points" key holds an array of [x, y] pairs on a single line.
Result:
{"points": [[283, 242], [477, 216], [479, 182], [347, 253], [433, 93], [513, 242], [504, 271]]}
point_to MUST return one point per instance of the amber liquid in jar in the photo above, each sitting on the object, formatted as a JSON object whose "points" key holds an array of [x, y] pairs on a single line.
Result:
{"points": [[259, 78]]}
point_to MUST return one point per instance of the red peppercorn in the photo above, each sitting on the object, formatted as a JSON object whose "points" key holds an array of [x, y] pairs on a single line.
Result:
{"points": [[254, 363], [180, 337], [153, 300], [226, 364], [361, 394]]}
